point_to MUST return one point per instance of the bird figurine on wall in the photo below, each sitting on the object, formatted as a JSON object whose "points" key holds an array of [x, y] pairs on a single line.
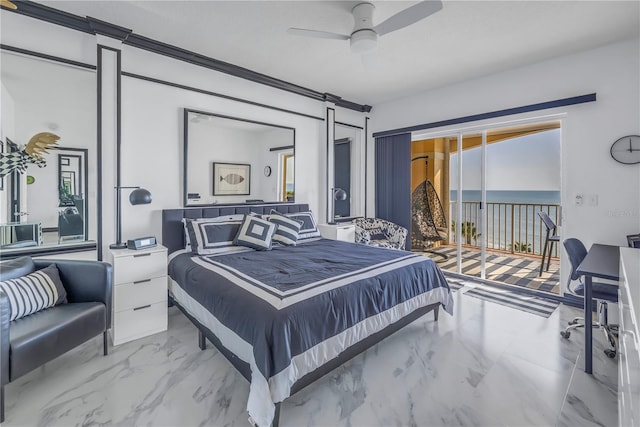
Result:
{"points": [[8, 4], [32, 153]]}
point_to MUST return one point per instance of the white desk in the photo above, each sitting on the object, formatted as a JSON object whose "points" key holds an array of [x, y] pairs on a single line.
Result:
{"points": [[629, 339]]}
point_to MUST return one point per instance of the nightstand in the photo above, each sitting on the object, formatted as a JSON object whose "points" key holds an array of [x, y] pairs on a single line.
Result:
{"points": [[341, 231], [139, 293]]}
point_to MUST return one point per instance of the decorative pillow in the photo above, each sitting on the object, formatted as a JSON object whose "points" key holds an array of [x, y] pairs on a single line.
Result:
{"points": [[288, 228], [225, 218], [34, 292], [17, 267], [255, 233], [207, 237], [309, 229]]}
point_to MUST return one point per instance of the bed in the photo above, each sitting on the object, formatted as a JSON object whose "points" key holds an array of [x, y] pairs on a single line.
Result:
{"points": [[288, 316]]}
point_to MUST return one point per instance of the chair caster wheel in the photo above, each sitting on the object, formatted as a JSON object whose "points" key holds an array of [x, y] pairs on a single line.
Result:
{"points": [[572, 322], [611, 354], [565, 334]]}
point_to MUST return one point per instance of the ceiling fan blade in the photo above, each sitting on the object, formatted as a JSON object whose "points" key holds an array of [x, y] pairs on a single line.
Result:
{"points": [[408, 16], [317, 34], [8, 4]]}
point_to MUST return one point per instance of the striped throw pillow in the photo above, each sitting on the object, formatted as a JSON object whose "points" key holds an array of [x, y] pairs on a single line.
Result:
{"points": [[207, 238], [34, 292], [309, 229], [288, 228], [256, 233]]}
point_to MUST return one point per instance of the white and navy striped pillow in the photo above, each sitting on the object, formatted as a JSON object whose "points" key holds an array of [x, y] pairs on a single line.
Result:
{"points": [[34, 292], [309, 229], [288, 228], [256, 233]]}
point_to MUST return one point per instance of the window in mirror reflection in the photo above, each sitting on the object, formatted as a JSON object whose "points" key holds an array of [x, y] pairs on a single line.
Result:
{"points": [[213, 139], [54, 204]]}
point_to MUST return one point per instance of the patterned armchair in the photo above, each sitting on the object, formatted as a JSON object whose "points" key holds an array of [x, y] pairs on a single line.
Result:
{"points": [[380, 233]]}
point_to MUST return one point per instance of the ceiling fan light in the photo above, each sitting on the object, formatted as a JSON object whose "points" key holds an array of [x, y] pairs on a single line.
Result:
{"points": [[364, 41]]}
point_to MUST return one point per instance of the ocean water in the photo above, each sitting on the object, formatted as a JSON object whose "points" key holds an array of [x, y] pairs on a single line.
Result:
{"points": [[507, 196], [512, 217]]}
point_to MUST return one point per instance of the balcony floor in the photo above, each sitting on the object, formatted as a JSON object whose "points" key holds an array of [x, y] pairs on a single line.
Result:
{"points": [[503, 267]]}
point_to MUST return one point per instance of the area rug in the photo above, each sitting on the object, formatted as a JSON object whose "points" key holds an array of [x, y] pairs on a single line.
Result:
{"points": [[529, 303], [454, 283]]}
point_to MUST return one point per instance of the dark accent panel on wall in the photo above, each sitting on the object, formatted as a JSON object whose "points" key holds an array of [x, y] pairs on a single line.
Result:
{"points": [[393, 180], [99, 149], [219, 95], [499, 113], [94, 26], [47, 57], [366, 161]]}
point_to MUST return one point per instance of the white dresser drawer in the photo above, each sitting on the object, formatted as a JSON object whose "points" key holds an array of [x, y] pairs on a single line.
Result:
{"points": [[345, 232], [141, 266], [139, 322], [136, 294]]}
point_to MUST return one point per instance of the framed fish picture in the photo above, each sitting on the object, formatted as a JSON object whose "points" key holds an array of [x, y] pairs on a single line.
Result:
{"points": [[231, 179]]}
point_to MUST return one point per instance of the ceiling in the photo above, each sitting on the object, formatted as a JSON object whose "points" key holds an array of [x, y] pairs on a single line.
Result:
{"points": [[465, 39]]}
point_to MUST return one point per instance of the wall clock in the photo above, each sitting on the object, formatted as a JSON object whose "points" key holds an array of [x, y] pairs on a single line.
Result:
{"points": [[267, 171], [626, 150]]}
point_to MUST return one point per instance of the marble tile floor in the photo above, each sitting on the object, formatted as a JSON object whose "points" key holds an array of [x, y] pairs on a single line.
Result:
{"points": [[488, 365]]}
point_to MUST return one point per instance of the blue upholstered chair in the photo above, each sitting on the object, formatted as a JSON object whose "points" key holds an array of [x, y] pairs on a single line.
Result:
{"points": [[601, 292]]}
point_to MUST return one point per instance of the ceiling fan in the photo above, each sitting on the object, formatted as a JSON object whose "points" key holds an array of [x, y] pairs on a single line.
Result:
{"points": [[364, 37]]}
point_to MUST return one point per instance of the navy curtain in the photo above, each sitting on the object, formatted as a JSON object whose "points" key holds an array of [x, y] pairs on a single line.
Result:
{"points": [[393, 180]]}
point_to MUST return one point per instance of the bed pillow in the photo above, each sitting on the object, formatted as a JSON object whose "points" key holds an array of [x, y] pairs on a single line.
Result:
{"points": [[208, 237], [309, 229], [255, 233], [288, 228], [187, 237], [34, 292]]}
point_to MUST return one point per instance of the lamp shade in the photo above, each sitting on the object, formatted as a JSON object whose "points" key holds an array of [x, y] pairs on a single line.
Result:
{"points": [[339, 194], [140, 196]]}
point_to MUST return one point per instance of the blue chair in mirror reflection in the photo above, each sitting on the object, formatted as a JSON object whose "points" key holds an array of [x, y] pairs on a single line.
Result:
{"points": [[20, 235], [70, 224], [601, 292], [550, 239]]}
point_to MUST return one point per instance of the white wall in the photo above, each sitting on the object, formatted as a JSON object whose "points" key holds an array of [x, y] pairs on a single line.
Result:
{"points": [[588, 130]]}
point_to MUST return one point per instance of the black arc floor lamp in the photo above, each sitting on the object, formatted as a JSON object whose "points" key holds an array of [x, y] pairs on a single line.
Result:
{"points": [[139, 196]]}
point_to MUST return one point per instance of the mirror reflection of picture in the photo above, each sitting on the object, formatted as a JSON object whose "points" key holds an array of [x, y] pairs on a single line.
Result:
{"points": [[231, 179]]}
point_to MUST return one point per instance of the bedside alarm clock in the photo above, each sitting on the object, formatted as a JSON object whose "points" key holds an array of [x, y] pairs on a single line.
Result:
{"points": [[142, 243]]}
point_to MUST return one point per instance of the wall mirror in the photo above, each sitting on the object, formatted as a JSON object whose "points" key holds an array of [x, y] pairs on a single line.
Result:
{"points": [[348, 168], [51, 207], [229, 160]]}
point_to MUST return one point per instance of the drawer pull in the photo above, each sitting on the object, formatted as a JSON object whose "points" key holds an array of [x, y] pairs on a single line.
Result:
{"points": [[142, 307], [139, 255], [142, 281]]}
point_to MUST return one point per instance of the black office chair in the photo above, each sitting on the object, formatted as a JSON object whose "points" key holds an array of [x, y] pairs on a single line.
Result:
{"points": [[551, 238], [633, 240], [601, 292]]}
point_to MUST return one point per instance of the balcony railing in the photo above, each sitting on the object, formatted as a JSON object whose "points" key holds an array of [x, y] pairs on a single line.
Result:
{"points": [[510, 227]]}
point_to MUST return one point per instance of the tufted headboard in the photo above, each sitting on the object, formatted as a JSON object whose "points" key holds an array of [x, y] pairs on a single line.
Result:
{"points": [[173, 229]]}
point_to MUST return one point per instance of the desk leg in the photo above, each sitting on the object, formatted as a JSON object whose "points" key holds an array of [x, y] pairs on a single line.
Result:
{"points": [[588, 329]]}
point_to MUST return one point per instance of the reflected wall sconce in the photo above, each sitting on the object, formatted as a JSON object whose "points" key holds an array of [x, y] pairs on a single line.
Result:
{"points": [[338, 194], [139, 196]]}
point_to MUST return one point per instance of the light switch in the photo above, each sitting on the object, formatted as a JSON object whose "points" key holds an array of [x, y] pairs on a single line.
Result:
{"points": [[593, 200]]}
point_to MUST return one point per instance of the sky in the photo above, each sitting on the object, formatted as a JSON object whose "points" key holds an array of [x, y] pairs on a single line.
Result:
{"points": [[527, 163]]}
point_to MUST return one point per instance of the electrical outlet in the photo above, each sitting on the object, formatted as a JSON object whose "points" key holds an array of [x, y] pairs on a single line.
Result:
{"points": [[579, 199]]}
